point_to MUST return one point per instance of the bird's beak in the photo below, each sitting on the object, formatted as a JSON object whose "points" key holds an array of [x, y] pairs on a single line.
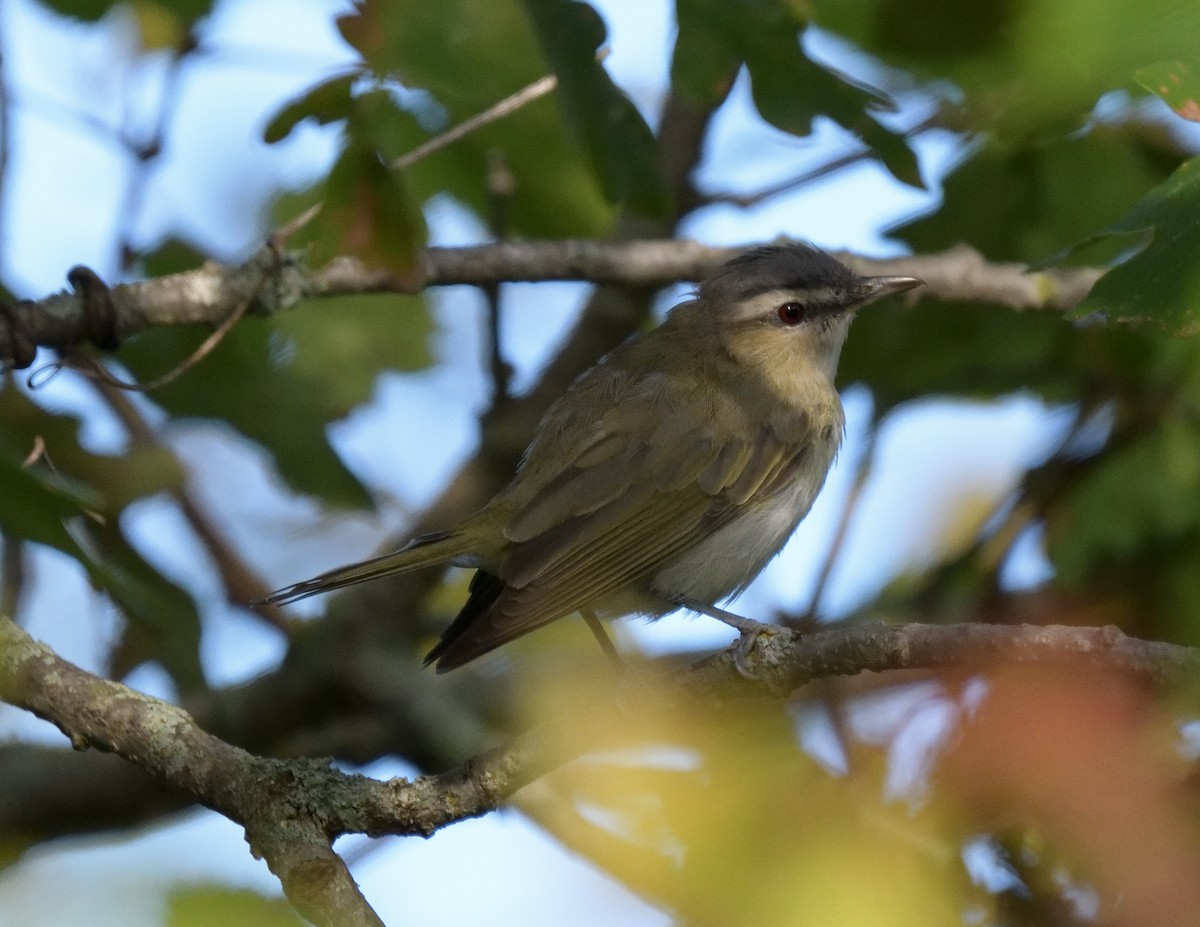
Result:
{"points": [[873, 288]]}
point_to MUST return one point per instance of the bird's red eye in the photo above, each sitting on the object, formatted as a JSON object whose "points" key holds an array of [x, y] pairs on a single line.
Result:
{"points": [[791, 313]]}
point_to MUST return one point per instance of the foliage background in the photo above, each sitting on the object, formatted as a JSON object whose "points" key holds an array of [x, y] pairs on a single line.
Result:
{"points": [[1002, 466]]}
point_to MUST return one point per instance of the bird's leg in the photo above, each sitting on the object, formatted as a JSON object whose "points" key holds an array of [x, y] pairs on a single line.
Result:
{"points": [[596, 626], [748, 629]]}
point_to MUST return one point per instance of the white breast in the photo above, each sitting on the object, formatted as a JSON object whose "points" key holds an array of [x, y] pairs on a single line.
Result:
{"points": [[727, 562]]}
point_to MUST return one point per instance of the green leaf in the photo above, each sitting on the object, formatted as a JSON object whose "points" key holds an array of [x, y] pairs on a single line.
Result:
{"points": [[789, 90], [163, 623], [280, 382], [168, 27], [368, 209], [961, 350], [86, 10], [65, 480], [347, 341], [1024, 68], [621, 146], [171, 257], [1145, 492], [329, 101], [1162, 282], [1178, 83], [469, 55], [161, 25], [1045, 196], [208, 905], [187, 12], [36, 504], [704, 62], [73, 500]]}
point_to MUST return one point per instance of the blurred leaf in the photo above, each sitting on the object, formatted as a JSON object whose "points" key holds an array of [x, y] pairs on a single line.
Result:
{"points": [[1146, 491], [940, 349], [73, 500], [160, 28], [329, 101], [944, 27], [1044, 197], [66, 480], [35, 504], [704, 61], [1178, 83], [728, 821], [184, 12], [209, 905], [162, 621], [1162, 282], [13, 847], [465, 56], [1094, 764], [173, 256], [87, 10], [280, 382], [620, 144], [366, 209], [348, 341], [160, 25], [1024, 68], [789, 90], [368, 206]]}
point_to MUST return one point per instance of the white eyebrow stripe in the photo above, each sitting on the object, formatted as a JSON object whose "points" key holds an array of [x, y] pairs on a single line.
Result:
{"points": [[764, 303]]}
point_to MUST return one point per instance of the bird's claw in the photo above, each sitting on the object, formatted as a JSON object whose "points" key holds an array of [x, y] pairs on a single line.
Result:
{"points": [[747, 638], [748, 630]]}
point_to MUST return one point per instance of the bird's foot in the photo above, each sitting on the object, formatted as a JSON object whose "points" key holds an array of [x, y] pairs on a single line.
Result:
{"points": [[748, 630]]}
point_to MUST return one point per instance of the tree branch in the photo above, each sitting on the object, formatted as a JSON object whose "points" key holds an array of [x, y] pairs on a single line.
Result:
{"points": [[272, 281], [292, 810], [783, 662]]}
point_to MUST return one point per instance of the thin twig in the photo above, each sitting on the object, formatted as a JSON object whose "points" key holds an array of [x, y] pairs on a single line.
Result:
{"points": [[523, 97], [292, 226], [747, 200], [93, 370], [506, 107]]}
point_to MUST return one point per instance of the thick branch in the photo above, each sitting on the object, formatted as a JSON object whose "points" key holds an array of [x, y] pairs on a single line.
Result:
{"points": [[274, 282], [261, 794]]}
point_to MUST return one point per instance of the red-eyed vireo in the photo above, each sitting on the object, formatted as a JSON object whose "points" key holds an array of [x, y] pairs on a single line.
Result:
{"points": [[669, 474]]}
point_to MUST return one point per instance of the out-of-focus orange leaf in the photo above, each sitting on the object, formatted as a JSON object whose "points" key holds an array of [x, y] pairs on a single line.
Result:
{"points": [[1083, 760]]}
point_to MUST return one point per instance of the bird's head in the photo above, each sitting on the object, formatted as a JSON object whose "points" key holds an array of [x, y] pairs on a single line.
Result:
{"points": [[785, 309]]}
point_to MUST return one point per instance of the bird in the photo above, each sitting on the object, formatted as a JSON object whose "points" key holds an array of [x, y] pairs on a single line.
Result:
{"points": [[667, 475]]}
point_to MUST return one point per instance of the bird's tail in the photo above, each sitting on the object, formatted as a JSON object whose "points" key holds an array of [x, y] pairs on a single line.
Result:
{"points": [[426, 550]]}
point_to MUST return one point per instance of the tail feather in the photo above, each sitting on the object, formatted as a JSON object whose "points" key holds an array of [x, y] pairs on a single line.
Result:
{"points": [[424, 551], [461, 642]]}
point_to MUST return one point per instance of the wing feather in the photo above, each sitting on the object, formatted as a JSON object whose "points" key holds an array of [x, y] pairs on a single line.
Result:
{"points": [[598, 529], [654, 479]]}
